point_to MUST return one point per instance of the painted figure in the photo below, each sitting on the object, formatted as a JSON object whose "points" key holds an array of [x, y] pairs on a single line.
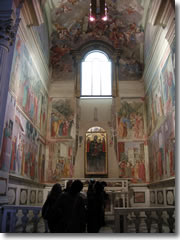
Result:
{"points": [[5, 142]]}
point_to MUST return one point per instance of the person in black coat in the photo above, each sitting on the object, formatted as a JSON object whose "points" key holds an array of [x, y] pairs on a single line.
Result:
{"points": [[48, 207], [95, 207], [71, 209]]}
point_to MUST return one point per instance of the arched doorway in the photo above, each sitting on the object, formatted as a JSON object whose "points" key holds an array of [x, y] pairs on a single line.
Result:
{"points": [[96, 152]]}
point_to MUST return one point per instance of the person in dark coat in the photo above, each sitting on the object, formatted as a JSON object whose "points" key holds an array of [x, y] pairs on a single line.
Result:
{"points": [[48, 207], [68, 185], [95, 208], [71, 206]]}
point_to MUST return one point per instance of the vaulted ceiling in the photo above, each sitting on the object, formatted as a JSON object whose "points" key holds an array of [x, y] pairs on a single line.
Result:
{"points": [[69, 28]]}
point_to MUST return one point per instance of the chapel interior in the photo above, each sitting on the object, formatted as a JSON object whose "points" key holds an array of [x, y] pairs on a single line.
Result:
{"points": [[87, 91]]}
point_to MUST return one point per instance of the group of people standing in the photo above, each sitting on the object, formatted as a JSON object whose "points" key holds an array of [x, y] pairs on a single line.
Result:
{"points": [[71, 211]]}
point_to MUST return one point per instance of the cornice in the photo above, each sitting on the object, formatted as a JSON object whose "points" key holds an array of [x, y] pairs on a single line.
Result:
{"points": [[8, 27], [162, 14], [80, 52], [15, 179]]}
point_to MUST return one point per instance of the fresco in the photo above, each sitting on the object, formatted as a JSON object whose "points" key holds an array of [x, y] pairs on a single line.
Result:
{"points": [[41, 162], [154, 105], [22, 152], [162, 151], [122, 30], [168, 85], [6, 147], [24, 155], [130, 120], [130, 69], [42, 37], [169, 133], [62, 118], [26, 84], [61, 161], [160, 97], [156, 155], [131, 161]]}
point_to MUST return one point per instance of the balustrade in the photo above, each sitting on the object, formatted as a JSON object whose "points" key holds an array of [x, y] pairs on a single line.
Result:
{"points": [[22, 219], [145, 220], [27, 219]]}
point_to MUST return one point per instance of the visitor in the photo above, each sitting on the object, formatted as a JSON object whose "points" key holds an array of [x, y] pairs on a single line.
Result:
{"points": [[95, 207], [71, 209], [48, 207]]}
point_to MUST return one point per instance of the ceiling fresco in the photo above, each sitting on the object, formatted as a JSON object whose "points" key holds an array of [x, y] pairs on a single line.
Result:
{"points": [[71, 28]]}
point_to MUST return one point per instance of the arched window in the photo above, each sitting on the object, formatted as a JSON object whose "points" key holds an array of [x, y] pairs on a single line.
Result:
{"points": [[96, 79]]}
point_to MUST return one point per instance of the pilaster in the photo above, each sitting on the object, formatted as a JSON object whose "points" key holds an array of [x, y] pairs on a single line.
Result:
{"points": [[9, 22]]}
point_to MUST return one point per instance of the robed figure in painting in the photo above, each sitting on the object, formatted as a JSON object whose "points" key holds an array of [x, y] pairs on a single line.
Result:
{"points": [[96, 154]]}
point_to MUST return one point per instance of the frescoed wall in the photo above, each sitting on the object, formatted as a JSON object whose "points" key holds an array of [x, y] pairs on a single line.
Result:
{"points": [[168, 85], [160, 97], [154, 104], [27, 86], [160, 109], [162, 151], [130, 139], [62, 124], [132, 161], [43, 39], [22, 154], [130, 120], [7, 134], [60, 161]]}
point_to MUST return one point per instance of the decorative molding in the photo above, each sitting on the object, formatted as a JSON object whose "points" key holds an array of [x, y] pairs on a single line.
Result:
{"points": [[8, 28], [162, 183], [19, 180], [152, 197], [23, 196], [32, 198], [12, 195], [163, 14], [154, 11], [3, 186], [170, 198], [34, 13], [160, 197], [40, 197]]}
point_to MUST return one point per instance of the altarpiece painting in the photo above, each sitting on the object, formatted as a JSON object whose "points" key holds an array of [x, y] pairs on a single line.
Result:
{"points": [[96, 152]]}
